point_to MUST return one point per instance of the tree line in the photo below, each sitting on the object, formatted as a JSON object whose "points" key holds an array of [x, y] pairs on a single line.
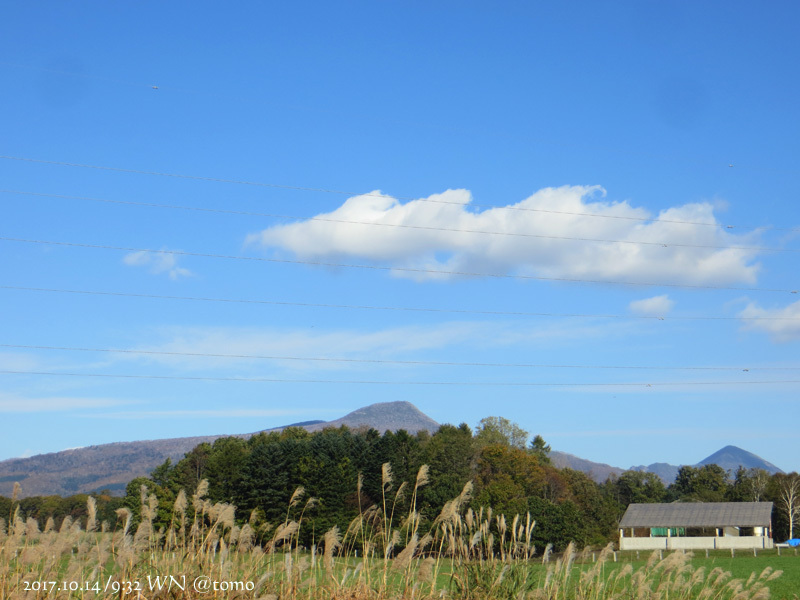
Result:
{"points": [[342, 472]]}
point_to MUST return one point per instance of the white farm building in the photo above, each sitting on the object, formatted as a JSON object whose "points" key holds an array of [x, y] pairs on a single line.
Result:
{"points": [[696, 525]]}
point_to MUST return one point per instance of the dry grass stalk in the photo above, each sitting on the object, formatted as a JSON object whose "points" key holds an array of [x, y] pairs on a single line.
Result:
{"points": [[486, 555]]}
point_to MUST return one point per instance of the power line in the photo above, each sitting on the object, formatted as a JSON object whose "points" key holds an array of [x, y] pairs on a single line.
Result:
{"points": [[416, 383], [420, 227], [350, 193], [390, 308], [395, 269], [391, 362]]}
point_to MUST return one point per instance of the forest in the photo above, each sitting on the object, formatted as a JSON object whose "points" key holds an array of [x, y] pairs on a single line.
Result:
{"points": [[343, 471]]}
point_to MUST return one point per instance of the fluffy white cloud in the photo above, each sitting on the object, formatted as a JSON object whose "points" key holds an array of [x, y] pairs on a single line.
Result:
{"points": [[782, 324], [657, 306], [438, 233], [158, 262]]}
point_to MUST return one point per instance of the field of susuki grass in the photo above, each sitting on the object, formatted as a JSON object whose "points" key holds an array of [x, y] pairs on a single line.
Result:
{"points": [[463, 554]]}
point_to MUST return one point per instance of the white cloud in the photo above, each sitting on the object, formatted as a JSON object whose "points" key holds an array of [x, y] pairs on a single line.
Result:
{"points": [[657, 306], [782, 324], [18, 404], [422, 237], [243, 342], [623, 432], [184, 347], [203, 414], [725, 433], [158, 262], [18, 361]]}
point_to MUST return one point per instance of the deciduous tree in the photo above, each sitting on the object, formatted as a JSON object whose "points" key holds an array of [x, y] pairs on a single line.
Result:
{"points": [[789, 499], [499, 430], [708, 483], [639, 487]]}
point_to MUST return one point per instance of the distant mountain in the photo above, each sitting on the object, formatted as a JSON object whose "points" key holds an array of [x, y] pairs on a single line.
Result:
{"points": [[80, 470], [731, 458], [112, 466], [597, 471], [386, 416], [300, 424], [666, 472]]}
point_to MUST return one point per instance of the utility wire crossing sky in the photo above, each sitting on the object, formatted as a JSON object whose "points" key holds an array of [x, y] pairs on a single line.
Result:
{"points": [[582, 218]]}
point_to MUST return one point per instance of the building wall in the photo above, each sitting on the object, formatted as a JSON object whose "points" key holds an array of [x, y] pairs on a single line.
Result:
{"points": [[695, 543]]}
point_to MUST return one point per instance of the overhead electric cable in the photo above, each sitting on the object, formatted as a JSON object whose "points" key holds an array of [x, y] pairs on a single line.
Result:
{"points": [[381, 382], [367, 194], [666, 244], [395, 269], [389, 361]]}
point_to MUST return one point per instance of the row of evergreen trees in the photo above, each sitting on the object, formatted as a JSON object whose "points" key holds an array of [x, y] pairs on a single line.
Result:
{"points": [[341, 470]]}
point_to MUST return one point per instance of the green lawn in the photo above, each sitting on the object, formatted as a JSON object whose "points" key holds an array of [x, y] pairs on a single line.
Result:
{"points": [[786, 587]]}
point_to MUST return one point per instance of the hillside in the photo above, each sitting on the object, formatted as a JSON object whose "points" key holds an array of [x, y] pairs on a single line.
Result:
{"points": [[730, 458], [106, 466], [112, 466], [597, 471], [665, 471]]}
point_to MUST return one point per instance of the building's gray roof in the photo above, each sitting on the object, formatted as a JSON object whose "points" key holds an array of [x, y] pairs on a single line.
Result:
{"points": [[698, 514]]}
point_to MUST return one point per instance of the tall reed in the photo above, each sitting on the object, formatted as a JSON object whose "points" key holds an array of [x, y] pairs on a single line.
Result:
{"points": [[464, 552]]}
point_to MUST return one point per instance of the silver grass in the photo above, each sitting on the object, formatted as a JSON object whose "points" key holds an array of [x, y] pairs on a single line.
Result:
{"points": [[91, 510], [400, 493], [403, 560], [124, 513], [548, 550], [285, 531], [425, 572], [386, 476], [66, 524], [297, 496], [31, 528], [422, 476], [180, 504]]}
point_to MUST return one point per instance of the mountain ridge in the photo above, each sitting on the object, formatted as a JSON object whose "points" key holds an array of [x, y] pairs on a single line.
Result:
{"points": [[111, 466], [730, 458]]}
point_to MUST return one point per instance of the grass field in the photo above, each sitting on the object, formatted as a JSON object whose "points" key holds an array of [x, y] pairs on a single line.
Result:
{"points": [[463, 554], [300, 575], [742, 566], [785, 587]]}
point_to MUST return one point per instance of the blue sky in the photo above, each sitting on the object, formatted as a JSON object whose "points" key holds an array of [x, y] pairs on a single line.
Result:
{"points": [[580, 216]]}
